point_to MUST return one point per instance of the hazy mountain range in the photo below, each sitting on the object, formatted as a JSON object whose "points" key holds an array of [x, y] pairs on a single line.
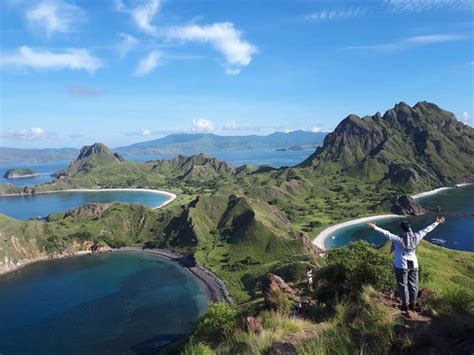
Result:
{"points": [[184, 143]]}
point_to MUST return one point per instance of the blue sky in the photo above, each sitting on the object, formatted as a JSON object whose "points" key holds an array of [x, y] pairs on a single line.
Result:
{"points": [[74, 71]]}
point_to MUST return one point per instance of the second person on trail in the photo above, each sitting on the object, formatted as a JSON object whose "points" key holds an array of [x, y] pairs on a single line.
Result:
{"points": [[405, 261]]}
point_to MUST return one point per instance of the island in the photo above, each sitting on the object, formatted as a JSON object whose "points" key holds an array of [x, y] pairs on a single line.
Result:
{"points": [[19, 173]]}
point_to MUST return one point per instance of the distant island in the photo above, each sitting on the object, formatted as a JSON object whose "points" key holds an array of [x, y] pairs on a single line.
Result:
{"points": [[18, 173]]}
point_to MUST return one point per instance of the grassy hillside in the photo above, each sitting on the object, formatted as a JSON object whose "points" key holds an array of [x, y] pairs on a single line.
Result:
{"points": [[411, 148], [244, 222]]}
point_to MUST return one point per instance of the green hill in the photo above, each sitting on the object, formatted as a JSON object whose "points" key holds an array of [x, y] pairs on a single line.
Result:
{"points": [[411, 148], [243, 223]]}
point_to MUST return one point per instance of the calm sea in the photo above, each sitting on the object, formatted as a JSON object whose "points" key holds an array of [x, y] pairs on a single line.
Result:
{"points": [[105, 304], [42, 205]]}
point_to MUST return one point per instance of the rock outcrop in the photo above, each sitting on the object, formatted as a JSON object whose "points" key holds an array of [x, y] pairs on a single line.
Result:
{"points": [[405, 205], [97, 149], [89, 210], [273, 287]]}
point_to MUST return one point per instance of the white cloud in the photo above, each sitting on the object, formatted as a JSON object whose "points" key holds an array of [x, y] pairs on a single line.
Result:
{"points": [[466, 118], [147, 64], [231, 126], [54, 17], [316, 129], [72, 58], [331, 15], [126, 44], [29, 134], [146, 132], [412, 42], [223, 37], [427, 5], [201, 125], [142, 14], [232, 71]]}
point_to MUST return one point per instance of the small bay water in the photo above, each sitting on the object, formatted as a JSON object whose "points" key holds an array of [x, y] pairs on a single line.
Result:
{"points": [[41, 205], [456, 204], [102, 304]]}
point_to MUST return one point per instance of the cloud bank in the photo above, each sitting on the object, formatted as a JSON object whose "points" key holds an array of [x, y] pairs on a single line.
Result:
{"points": [[72, 58]]}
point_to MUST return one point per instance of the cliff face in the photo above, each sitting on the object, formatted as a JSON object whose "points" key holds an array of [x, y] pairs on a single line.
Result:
{"points": [[413, 147]]}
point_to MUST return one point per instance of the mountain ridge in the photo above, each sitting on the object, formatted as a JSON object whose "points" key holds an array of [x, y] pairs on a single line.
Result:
{"points": [[423, 144]]}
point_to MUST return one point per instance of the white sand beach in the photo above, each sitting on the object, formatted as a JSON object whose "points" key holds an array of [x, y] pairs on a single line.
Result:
{"points": [[171, 196], [429, 193], [320, 240], [435, 191]]}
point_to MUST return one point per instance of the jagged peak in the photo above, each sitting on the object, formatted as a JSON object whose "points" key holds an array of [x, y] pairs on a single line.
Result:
{"points": [[97, 149]]}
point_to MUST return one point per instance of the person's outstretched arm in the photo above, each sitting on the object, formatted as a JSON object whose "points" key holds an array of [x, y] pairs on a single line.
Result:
{"points": [[386, 233], [422, 233]]}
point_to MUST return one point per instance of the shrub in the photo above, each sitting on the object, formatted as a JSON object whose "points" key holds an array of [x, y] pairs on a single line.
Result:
{"points": [[197, 349], [351, 267], [219, 320], [279, 301], [456, 310], [361, 326]]}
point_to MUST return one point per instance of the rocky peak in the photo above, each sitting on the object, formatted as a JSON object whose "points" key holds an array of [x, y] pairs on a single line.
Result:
{"points": [[97, 149]]}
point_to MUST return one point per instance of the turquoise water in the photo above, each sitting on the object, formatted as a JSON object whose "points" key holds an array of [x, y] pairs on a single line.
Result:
{"points": [[106, 304], [41, 205], [44, 169], [456, 204]]}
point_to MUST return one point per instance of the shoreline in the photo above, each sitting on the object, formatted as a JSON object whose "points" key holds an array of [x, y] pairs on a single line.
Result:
{"points": [[323, 236], [171, 196], [21, 176], [39, 259], [214, 286], [439, 189]]}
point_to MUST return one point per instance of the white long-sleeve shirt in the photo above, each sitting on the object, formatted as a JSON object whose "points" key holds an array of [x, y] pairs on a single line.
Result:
{"points": [[401, 256]]}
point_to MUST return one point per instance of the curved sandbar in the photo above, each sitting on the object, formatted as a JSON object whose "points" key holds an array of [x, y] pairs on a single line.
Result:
{"points": [[171, 195], [320, 240]]}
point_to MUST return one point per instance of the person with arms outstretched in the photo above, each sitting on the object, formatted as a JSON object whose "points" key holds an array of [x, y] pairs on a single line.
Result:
{"points": [[405, 260]]}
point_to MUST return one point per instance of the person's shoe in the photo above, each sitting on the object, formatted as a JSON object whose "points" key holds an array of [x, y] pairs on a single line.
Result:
{"points": [[411, 307], [404, 308]]}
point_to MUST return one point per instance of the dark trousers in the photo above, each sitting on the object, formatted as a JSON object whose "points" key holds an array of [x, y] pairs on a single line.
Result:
{"points": [[407, 285]]}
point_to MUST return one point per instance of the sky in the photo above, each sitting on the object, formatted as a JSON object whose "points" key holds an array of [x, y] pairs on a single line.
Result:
{"points": [[74, 72]]}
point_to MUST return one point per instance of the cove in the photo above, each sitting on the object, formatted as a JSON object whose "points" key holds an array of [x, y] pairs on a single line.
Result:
{"points": [[102, 304], [457, 204], [43, 204]]}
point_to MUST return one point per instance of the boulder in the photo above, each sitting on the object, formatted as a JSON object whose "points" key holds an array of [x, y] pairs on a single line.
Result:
{"points": [[273, 286], [283, 349], [29, 190]]}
